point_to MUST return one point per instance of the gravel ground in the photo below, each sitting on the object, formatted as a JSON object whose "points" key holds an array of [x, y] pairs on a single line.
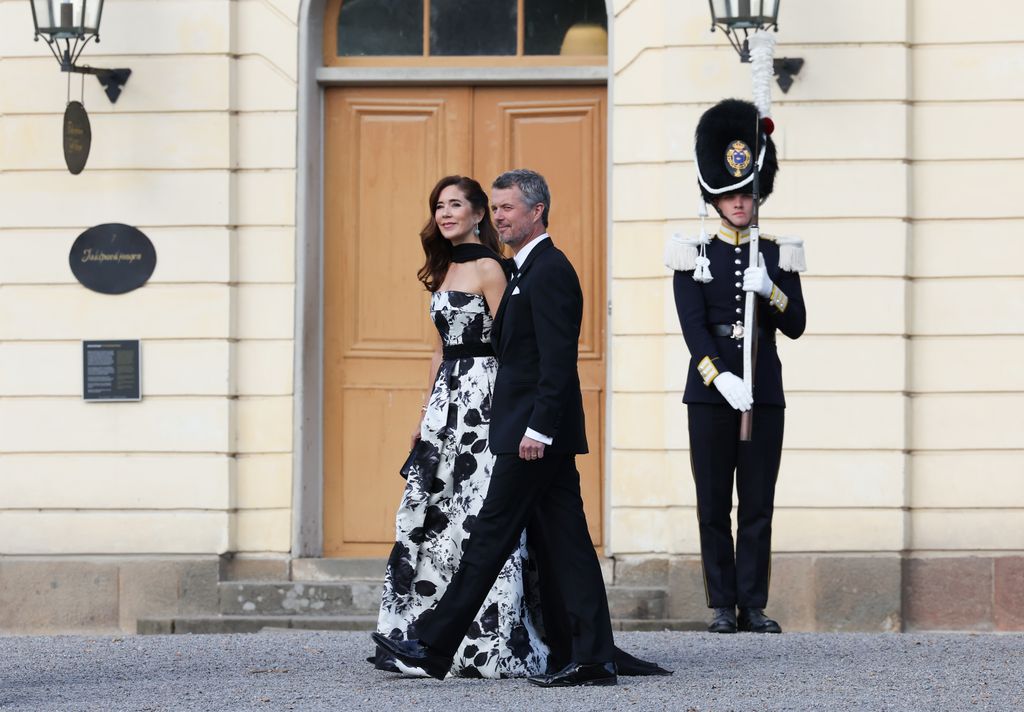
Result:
{"points": [[325, 671]]}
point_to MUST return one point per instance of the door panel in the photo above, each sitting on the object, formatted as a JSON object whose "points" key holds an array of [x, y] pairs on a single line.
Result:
{"points": [[560, 133], [384, 150]]}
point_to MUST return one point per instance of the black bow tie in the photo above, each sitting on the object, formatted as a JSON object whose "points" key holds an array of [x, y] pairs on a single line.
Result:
{"points": [[508, 265]]}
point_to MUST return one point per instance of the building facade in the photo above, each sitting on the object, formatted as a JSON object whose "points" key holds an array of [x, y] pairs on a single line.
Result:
{"points": [[281, 176]]}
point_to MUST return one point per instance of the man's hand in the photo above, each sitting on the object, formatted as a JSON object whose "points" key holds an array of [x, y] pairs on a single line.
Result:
{"points": [[530, 449], [755, 279], [733, 389]]}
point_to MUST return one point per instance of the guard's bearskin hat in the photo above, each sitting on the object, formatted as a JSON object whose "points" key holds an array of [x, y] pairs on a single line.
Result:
{"points": [[725, 150]]}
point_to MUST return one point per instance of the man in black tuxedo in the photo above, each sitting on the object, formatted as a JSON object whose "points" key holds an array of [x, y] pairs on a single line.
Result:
{"points": [[536, 431]]}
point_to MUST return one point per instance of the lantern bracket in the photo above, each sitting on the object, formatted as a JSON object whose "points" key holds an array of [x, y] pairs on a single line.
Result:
{"points": [[112, 80], [785, 67]]}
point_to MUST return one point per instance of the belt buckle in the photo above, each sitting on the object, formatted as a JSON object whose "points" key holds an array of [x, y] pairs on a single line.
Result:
{"points": [[737, 331]]}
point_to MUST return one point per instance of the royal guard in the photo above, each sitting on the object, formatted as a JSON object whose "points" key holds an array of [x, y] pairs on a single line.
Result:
{"points": [[734, 292]]}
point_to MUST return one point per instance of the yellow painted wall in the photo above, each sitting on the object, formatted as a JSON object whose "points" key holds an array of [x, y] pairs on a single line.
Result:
{"points": [[199, 153], [896, 164]]}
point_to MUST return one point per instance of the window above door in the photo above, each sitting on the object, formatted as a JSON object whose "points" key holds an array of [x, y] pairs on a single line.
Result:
{"points": [[465, 33]]}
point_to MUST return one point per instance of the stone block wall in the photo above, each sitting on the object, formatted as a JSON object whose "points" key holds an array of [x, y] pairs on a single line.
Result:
{"points": [[843, 144], [199, 153], [903, 446], [904, 443], [51, 595]]}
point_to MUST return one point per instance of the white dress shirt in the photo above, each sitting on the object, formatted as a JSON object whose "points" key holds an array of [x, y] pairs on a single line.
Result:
{"points": [[520, 257]]}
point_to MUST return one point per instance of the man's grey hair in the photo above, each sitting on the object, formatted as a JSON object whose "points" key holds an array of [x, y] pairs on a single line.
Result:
{"points": [[532, 184]]}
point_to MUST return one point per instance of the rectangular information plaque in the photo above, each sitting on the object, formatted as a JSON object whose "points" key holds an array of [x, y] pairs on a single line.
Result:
{"points": [[111, 371]]}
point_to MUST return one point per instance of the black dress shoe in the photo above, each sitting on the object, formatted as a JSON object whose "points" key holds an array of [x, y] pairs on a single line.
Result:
{"points": [[724, 621], [629, 665], [577, 675], [413, 657], [753, 620], [382, 660]]}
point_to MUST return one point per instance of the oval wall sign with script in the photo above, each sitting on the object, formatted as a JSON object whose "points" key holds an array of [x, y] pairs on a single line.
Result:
{"points": [[112, 258], [77, 137]]}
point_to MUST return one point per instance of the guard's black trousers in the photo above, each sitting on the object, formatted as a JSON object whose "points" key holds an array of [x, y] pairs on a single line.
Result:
{"points": [[544, 497], [735, 577]]}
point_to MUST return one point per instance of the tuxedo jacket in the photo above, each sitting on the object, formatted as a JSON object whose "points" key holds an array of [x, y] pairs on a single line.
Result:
{"points": [[535, 336], [721, 301]]}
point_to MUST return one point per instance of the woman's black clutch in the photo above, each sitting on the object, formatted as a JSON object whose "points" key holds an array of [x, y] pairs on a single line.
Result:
{"points": [[419, 452]]}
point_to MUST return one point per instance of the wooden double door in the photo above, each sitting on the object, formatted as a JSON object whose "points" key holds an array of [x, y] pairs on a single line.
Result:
{"points": [[384, 149]]}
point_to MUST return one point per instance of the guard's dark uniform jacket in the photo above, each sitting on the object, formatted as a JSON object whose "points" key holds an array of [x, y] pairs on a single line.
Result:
{"points": [[735, 575], [720, 302]]}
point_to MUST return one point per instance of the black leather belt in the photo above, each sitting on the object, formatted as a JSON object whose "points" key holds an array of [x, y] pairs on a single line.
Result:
{"points": [[456, 351], [735, 331]]}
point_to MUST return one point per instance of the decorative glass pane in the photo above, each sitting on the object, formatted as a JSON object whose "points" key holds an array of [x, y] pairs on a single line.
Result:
{"points": [[472, 27], [44, 15], [745, 14], [380, 27], [566, 27], [52, 14], [768, 9], [92, 14]]}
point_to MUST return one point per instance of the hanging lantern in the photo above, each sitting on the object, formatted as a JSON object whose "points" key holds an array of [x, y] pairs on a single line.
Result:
{"points": [[67, 19], [738, 18], [68, 26]]}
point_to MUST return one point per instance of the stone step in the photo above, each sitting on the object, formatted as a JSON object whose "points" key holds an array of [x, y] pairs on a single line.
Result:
{"points": [[251, 624], [198, 625], [297, 598], [338, 569], [240, 568], [641, 571], [637, 602], [373, 568], [355, 597]]}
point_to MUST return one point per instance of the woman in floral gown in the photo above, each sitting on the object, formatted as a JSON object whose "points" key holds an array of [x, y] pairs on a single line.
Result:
{"points": [[448, 478]]}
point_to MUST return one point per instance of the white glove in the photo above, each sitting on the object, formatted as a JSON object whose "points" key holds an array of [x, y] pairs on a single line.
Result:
{"points": [[755, 279], [734, 390]]}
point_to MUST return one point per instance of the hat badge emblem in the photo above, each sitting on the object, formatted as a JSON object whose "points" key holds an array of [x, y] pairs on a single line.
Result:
{"points": [[739, 158]]}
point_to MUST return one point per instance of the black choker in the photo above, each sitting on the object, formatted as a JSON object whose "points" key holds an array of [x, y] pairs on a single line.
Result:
{"points": [[470, 251]]}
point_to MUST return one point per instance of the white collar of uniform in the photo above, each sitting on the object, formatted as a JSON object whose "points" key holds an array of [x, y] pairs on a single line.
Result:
{"points": [[733, 237], [521, 256]]}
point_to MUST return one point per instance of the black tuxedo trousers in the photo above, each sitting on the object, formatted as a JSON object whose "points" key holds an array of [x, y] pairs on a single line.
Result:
{"points": [[544, 497], [740, 576]]}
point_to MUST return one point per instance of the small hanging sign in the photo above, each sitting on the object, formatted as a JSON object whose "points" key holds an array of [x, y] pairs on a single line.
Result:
{"points": [[112, 258], [77, 137]]}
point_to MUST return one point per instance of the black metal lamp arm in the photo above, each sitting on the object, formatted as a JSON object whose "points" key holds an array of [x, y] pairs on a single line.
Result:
{"points": [[112, 80]]}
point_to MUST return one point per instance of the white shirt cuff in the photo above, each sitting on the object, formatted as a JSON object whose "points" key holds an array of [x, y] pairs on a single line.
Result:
{"points": [[531, 433]]}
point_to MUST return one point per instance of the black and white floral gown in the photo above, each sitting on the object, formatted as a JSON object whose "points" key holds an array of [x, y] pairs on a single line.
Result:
{"points": [[443, 494]]}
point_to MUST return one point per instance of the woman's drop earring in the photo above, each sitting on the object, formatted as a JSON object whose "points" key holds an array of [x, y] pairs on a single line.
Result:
{"points": [[476, 229]]}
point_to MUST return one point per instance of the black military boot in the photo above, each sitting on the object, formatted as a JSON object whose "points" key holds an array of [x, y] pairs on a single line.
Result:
{"points": [[753, 620], [724, 621]]}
